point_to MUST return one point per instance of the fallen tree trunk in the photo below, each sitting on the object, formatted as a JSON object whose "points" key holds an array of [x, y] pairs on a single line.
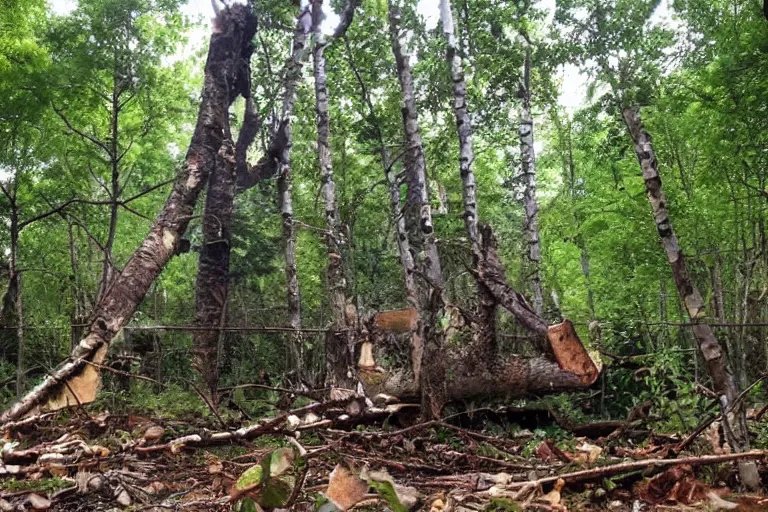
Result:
{"points": [[470, 372], [510, 376], [75, 382]]}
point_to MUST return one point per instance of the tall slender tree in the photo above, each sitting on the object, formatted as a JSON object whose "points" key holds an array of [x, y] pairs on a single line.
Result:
{"points": [[339, 349], [528, 172], [417, 214]]}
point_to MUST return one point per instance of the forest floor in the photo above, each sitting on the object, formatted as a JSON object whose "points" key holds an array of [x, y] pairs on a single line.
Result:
{"points": [[376, 458]]}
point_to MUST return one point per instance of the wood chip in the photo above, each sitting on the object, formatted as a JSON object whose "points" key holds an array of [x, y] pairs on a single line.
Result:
{"points": [[39, 502]]}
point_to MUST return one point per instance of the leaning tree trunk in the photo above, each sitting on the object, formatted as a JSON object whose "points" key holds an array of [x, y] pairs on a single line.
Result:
{"points": [[76, 381], [421, 237], [485, 319], [528, 164], [723, 382]]}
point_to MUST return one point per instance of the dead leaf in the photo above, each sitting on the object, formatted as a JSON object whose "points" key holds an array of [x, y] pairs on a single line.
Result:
{"points": [[553, 496], [589, 453], [122, 497], [6, 506], [544, 452], [345, 488], [437, 506], [155, 487], [677, 485], [341, 394], [38, 502], [153, 434], [719, 503], [57, 470]]}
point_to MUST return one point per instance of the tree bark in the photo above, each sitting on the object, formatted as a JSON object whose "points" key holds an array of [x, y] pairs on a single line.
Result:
{"points": [[225, 72], [528, 164], [723, 382], [425, 342], [485, 319], [393, 183], [338, 348], [212, 284]]}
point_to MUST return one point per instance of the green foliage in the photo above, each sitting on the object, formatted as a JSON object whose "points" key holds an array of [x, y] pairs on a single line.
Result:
{"points": [[172, 402], [267, 483], [43, 485], [502, 505], [700, 80]]}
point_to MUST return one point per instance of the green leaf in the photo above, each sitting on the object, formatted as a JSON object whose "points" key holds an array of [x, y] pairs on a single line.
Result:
{"points": [[279, 461], [276, 492], [387, 491], [250, 478]]}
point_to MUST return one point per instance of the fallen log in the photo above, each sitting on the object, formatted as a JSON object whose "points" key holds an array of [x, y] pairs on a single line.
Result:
{"points": [[472, 373], [226, 76]]}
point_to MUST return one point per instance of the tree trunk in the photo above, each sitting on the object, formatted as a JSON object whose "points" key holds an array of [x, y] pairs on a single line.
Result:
{"points": [[284, 187], [414, 225], [418, 212], [13, 297], [492, 273], [393, 183], [285, 191], [528, 161], [486, 312], [212, 285], [511, 376], [426, 341], [470, 372], [107, 267], [338, 350], [225, 72], [734, 415]]}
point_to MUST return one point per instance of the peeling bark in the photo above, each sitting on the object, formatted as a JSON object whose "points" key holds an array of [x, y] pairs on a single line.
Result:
{"points": [[76, 382], [723, 382], [212, 285]]}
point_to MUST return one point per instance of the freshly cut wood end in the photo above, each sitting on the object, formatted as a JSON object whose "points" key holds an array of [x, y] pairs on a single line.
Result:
{"points": [[570, 353], [397, 321], [79, 389], [366, 356]]}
